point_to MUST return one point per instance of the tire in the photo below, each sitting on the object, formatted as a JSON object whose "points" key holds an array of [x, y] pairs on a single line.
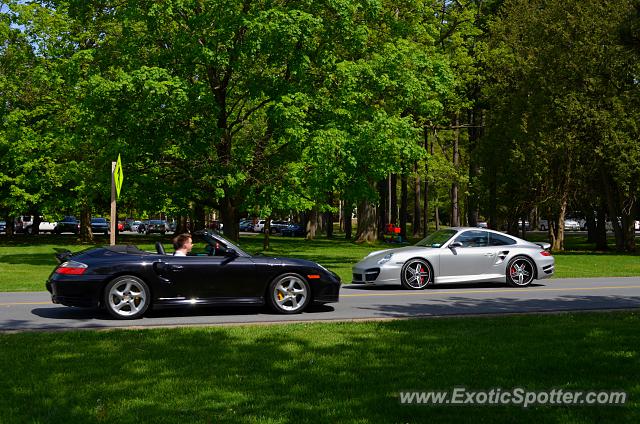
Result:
{"points": [[127, 297], [29, 230], [288, 294], [416, 274], [520, 272]]}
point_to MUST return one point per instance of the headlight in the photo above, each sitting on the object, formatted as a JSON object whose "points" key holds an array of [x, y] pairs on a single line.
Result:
{"points": [[386, 258]]}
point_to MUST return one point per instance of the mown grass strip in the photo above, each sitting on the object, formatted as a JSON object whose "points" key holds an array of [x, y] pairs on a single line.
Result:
{"points": [[315, 373]]}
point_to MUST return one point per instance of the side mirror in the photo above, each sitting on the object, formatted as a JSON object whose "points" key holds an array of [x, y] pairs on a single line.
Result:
{"points": [[455, 244]]}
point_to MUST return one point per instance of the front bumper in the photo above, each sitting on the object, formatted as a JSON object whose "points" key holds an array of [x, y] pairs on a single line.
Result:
{"points": [[372, 273], [327, 291]]}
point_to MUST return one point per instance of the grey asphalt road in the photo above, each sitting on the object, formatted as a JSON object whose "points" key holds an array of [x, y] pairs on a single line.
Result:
{"points": [[34, 310]]}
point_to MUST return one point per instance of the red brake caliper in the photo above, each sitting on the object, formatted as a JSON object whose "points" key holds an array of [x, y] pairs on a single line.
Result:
{"points": [[421, 277]]}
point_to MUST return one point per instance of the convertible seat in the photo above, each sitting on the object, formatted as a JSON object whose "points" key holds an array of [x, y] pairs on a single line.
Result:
{"points": [[160, 248]]}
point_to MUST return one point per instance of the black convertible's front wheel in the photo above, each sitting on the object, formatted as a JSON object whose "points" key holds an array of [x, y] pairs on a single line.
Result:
{"points": [[289, 294]]}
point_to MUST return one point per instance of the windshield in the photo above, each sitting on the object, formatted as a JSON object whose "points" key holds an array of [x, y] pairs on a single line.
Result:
{"points": [[436, 239], [98, 220]]}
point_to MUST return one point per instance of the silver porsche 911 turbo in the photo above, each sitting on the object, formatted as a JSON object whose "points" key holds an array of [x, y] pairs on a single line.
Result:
{"points": [[457, 255]]}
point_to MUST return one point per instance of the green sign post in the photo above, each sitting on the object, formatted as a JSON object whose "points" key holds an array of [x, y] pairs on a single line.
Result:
{"points": [[116, 184]]}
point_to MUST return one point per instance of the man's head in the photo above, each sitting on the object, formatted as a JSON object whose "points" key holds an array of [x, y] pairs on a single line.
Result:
{"points": [[182, 241]]}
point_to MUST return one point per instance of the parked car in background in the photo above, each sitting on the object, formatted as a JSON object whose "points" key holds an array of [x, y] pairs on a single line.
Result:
{"points": [[100, 225], [120, 226], [482, 224], [572, 224], [293, 230], [246, 225], [527, 225], [259, 226], [543, 225], [133, 226], [24, 224], [3, 226], [69, 224], [277, 226], [153, 226]]}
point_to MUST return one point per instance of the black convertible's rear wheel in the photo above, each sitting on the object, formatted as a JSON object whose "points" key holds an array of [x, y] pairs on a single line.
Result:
{"points": [[289, 294]]}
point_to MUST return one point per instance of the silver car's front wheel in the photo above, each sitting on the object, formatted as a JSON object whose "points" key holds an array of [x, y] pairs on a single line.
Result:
{"points": [[520, 272], [289, 294], [127, 297], [416, 274]]}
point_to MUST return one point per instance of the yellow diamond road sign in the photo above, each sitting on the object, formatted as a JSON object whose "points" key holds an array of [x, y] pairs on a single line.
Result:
{"points": [[118, 176]]}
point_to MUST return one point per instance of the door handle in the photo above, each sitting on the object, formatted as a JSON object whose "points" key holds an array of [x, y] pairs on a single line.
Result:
{"points": [[176, 267], [488, 254]]}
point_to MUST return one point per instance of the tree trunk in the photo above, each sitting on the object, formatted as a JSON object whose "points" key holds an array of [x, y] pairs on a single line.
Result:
{"points": [[455, 207], [416, 204], [199, 216], [382, 210], [475, 131], [35, 224], [425, 208], [394, 199], [312, 225], [558, 230], [267, 233], [403, 205], [86, 235], [612, 204], [366, 231], [601, 229], [347, 211], [230, 219], [10, 225], [328, 223], [591, 225]]}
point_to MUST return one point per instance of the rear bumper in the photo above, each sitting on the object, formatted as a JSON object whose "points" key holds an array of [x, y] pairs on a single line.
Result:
{"points": [[69, 291]]}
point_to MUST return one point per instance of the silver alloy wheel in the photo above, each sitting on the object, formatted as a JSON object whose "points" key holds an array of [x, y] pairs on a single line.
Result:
{"points": [[127, 297], [290, 293], [416, 274], [521, 272]]}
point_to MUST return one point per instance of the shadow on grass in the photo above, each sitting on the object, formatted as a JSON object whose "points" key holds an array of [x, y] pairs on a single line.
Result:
{"points": [[320, 373]]}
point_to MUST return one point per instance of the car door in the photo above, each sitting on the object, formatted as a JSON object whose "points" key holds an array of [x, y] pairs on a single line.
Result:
{"points": [[472, 261], [209, 277]]}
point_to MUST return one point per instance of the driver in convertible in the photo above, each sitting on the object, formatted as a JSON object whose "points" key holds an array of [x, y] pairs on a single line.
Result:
{"points": [[183, 244]]}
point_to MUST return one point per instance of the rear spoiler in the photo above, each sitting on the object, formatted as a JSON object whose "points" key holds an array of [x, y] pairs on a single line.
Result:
{"points": [[545, 246], [62, 254]]}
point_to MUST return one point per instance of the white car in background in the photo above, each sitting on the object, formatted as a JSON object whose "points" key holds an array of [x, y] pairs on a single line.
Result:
{"points": [[572, 224], [259, 226], [135, 225]]}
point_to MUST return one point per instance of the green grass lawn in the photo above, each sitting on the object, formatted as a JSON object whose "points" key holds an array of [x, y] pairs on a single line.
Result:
{"points": [[314, 373], [25, 262]]}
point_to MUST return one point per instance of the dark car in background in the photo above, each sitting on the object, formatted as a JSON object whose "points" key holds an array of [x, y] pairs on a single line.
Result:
{"points": [[3, 227], [153, 226], [293, 230], [100, 225], [69, 224], [246, 225]]}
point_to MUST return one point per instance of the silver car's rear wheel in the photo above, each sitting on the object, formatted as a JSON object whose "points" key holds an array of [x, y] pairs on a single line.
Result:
{"points": [[416, 274], [289, 294], [127, 297], [520, 272]]}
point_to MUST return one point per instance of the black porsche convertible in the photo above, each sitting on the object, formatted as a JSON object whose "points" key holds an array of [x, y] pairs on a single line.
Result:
{"points": [[127, 281]]}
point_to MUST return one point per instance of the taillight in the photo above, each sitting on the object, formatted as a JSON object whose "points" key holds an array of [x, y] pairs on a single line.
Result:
{"points": [[545, 253], [71, 268]]}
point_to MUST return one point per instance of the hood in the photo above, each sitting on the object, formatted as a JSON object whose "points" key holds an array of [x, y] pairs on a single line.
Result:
{"points": [[379, 254]]}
